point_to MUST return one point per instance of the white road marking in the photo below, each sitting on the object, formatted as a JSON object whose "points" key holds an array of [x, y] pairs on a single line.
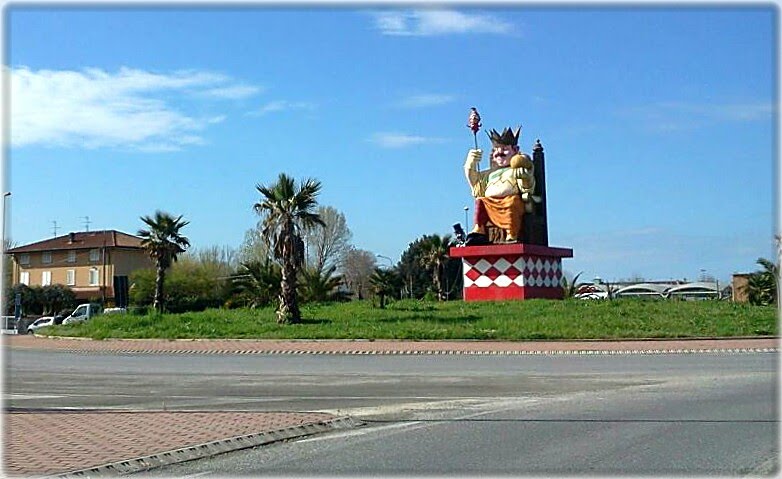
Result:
{"points": [[22, 397], [411, 407], [359, 432], [198, 474]]}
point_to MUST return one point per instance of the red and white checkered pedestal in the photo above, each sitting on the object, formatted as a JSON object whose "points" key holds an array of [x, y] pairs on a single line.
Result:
{"points": [[511, 271]]}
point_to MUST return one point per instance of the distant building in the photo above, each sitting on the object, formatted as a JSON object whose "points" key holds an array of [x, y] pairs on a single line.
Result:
{"points": [[645, 290], [94, 264], [671, 289], [696, 290]]}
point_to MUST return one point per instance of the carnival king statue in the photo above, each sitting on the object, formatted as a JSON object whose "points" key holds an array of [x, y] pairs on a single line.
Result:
{"points": [[507, 255], [504, 191]]}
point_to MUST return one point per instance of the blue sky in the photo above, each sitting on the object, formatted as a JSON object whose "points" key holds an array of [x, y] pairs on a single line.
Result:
{"points": [[658, 123]]}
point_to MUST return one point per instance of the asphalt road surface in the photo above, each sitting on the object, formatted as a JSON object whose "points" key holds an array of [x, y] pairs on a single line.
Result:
{"points": [[551, 415]]}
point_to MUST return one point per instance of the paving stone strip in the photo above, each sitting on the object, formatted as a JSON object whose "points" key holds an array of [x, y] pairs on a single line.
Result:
{"points": [[238, 346], [66, 442]]}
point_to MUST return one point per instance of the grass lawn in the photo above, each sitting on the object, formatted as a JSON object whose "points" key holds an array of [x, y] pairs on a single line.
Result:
{"points": [[423, 320]]}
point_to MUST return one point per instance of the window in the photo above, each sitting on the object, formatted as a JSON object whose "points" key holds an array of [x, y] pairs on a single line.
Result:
{"points": [[93, 276], [70, 277], [46, 278], [94, 254], [46, 257], [24, 278], [71, 256], [24, 258]]}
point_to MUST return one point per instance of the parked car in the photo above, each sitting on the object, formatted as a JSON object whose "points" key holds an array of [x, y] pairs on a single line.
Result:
{"points": [[40, 323], [83, 312], [592, 295]]}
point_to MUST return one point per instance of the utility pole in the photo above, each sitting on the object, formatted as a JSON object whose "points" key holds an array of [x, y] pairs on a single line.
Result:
{"points": [[87, 223], [54, 222]]}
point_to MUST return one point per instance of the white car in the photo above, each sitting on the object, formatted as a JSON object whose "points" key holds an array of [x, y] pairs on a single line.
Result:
{"points": [[83, 312], [592, 295], [40, 323]]}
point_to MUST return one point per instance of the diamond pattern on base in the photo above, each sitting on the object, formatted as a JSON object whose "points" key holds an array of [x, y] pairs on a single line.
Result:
{"points": [[502, 271], [503, 281], [482, 265], [502, 264], [483, 282]]}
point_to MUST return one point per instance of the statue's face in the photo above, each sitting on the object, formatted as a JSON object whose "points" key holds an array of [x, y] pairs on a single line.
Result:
{"points": [[501, 154]]}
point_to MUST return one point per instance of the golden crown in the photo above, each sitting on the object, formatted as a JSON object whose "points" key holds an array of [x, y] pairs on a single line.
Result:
{"points": [[507, 137]]}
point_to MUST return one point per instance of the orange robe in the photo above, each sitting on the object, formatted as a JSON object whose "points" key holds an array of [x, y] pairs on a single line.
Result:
{"points": [[506, 212]]}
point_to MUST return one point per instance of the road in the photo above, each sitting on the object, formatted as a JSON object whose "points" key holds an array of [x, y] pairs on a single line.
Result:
{"points": [[623, 414]]}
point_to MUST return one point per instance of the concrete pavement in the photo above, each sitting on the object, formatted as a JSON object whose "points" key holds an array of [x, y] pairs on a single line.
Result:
{"points": [[76, 443]]}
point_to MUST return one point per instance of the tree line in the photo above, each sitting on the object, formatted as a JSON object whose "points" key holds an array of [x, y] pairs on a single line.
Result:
{"points": [[299, 251]]}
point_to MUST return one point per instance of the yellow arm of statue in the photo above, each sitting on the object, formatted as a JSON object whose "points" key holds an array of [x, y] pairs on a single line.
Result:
{"points": [[474, 177], [524, 171]]}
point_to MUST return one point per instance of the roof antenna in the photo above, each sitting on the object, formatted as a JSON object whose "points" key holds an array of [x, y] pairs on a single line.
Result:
{"points": [[54, 227], [87, 223]]}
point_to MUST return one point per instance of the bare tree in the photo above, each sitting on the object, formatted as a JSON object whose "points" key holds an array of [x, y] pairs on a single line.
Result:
{"points": [[217, 256], [358, 266], [326, 246], [253, 248]]}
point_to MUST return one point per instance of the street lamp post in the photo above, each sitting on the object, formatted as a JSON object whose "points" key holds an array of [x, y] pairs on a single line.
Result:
{"points": [[390, 262], [17, 308], [466, 225], [391, 265], [5, 216]]}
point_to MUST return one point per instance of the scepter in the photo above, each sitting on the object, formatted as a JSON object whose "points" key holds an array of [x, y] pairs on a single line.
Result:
{"points": [[474, 122]]}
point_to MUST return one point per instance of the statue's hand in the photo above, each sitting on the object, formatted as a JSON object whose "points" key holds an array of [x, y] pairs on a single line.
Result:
{"points": [[473, 157]]}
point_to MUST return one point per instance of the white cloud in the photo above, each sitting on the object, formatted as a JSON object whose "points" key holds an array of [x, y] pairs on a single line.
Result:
{"points": [[234, 92], [437, 22], [400, 140], [93, 108], [674, 116], [282, 105], [426, 100]]}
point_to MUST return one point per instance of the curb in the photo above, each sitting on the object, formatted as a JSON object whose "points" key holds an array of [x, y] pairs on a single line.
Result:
{"points": [[444, 352], [417, 341], [212, 448]]}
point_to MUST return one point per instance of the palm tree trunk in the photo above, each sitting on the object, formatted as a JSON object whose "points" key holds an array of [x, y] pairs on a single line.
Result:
{"points": [[438, 280], [289, 308], [288, 311], [157, 304]]}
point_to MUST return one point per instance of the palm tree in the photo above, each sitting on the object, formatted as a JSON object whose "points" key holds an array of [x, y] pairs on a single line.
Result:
{"points": [[762, 285], [287, 212], [322, 285], [258, 282], [569, 287], [383, 283], [163, 243], [435, 255]]}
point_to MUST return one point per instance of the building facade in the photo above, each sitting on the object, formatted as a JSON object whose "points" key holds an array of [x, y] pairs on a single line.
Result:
{"points": [[94, 264]]}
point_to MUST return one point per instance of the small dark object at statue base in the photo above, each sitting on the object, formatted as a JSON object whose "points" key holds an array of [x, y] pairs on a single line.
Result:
{"points": [[476, 239]]}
